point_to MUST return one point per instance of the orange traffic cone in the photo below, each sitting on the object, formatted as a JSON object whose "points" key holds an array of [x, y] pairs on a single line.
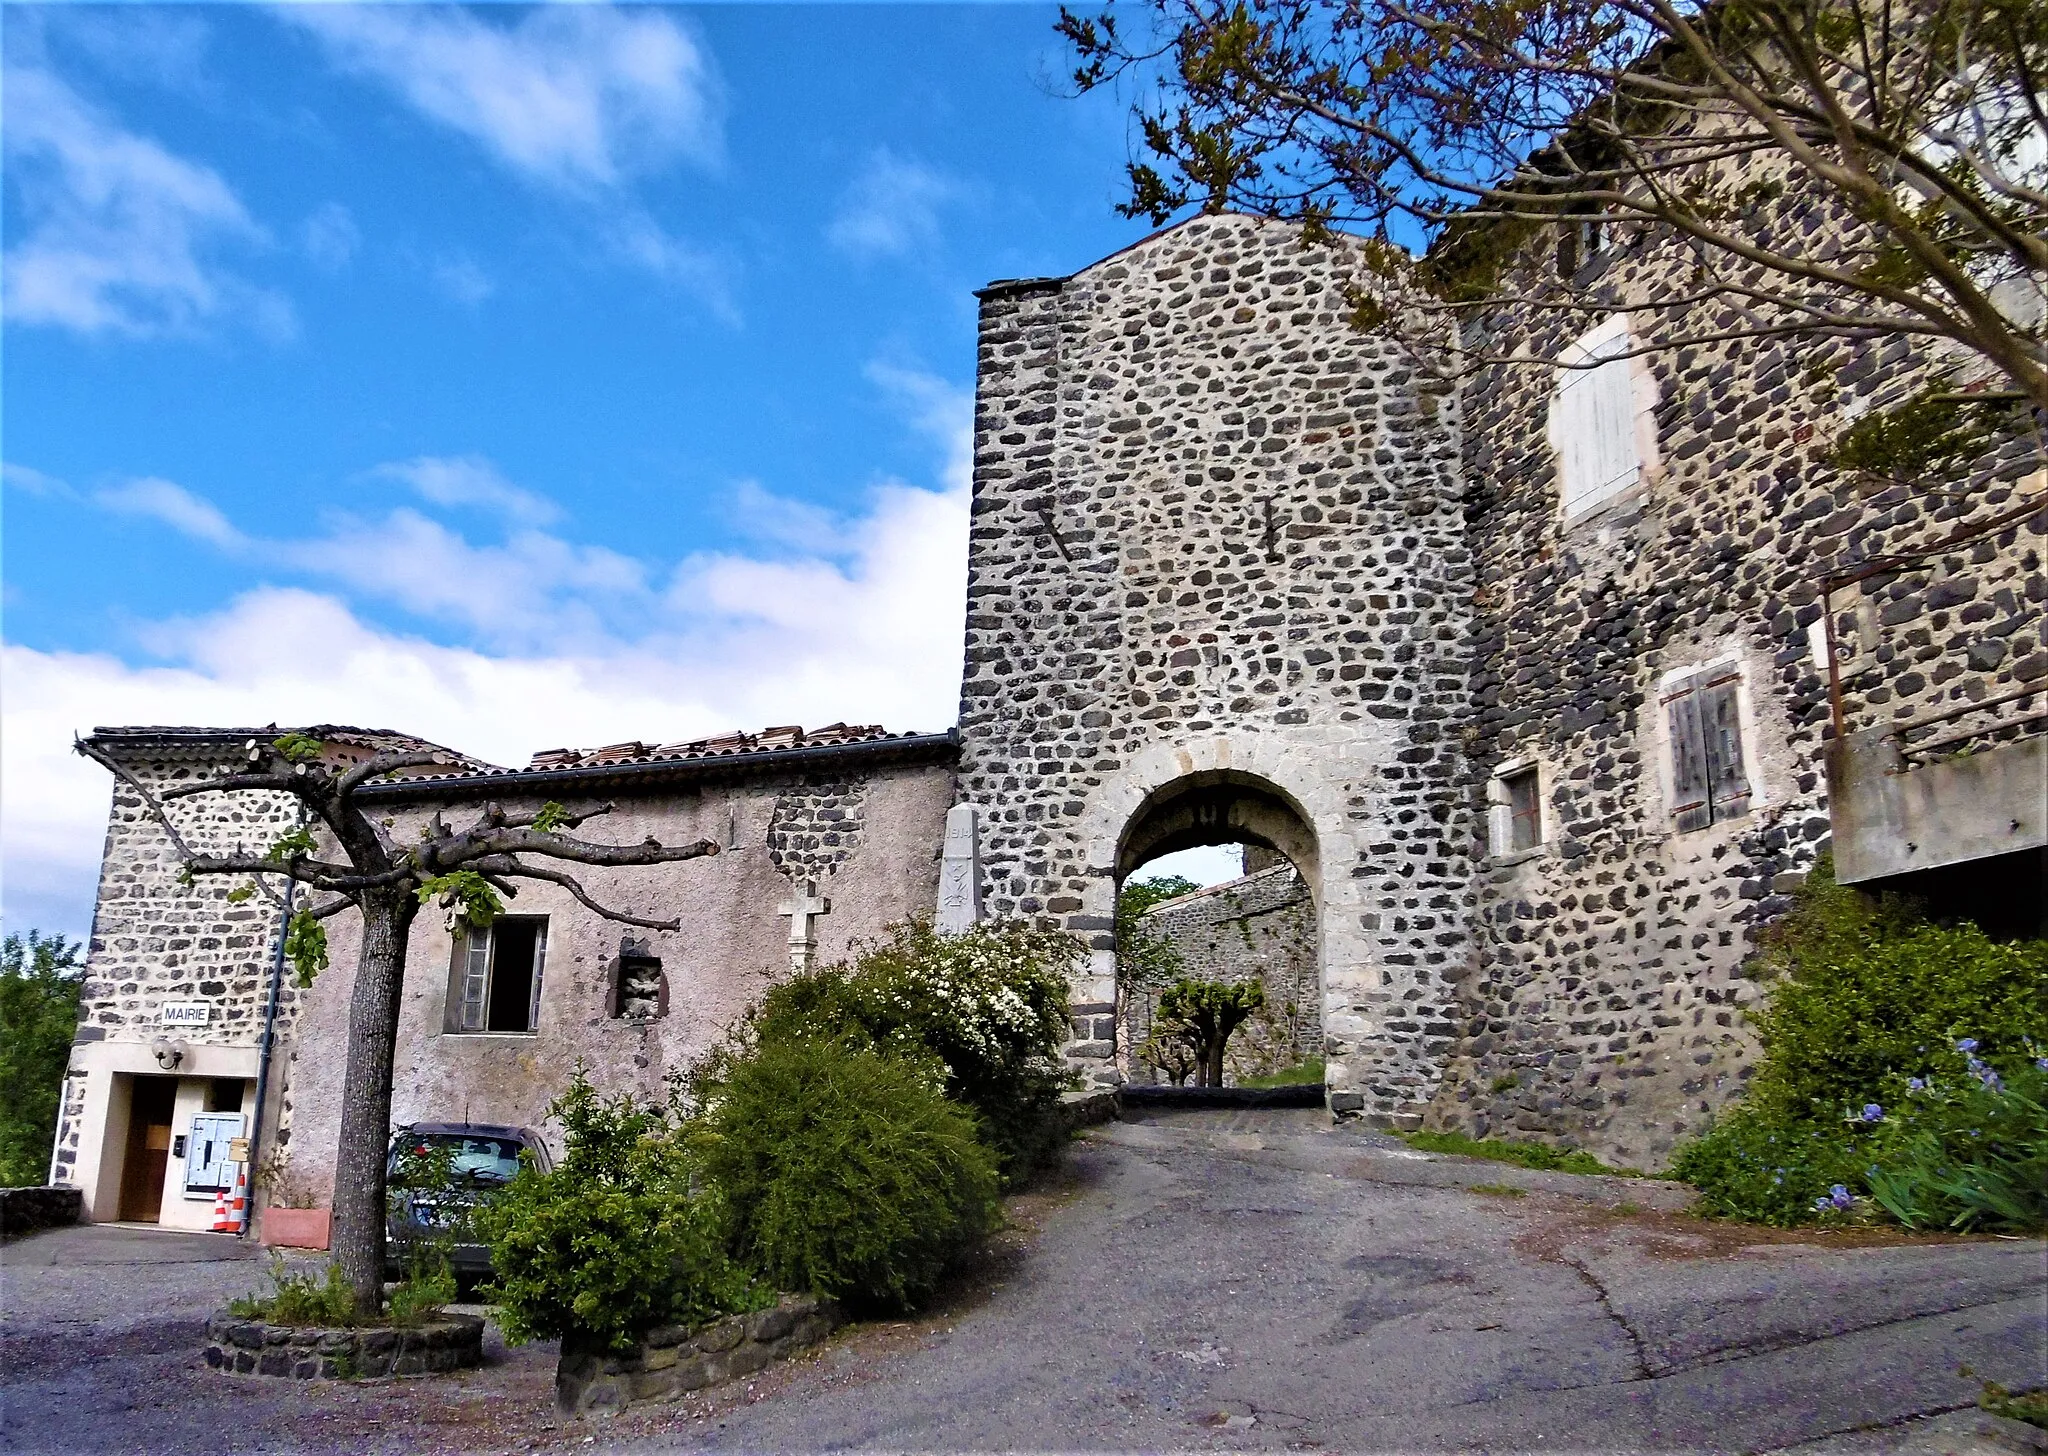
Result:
{"points": [[221, 1225], [238, 1205]]}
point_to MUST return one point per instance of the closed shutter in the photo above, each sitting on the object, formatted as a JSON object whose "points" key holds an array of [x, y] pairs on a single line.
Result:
{"points": [[1721, 727], [1690, 805], [1592, 425]]}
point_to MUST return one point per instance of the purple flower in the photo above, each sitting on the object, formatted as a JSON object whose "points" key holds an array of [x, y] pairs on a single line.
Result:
{"points": [[1966, 1044], [1840, 1196], [1918, 1084], [1872, 1112], [2042, 1063]]}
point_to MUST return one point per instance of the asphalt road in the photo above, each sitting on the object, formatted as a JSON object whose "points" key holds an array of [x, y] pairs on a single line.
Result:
{"points": [[1200, 1281]]}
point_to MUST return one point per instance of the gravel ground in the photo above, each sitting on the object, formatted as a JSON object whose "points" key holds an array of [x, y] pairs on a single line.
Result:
{"points": [[1210, 1281]]}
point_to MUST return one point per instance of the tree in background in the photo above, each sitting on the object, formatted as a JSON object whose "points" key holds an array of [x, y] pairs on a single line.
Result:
{"points": [[40, 980], [1204, 1014], [1144, 959], [1847, 169], [363, 866]]}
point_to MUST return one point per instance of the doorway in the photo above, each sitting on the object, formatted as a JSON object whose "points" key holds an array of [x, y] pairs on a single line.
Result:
{"points": [[148, 1156]]}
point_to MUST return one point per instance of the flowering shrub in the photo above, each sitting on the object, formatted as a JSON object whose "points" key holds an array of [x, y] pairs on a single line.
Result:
{"points": [[1967, 1151], [988, 1006], [1881, 1036]]}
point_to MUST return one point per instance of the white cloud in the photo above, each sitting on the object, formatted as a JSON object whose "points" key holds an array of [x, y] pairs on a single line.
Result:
{"points": [[865, 629], [567, 95], [891, 206], [470, 480], [176, 507], [32, 482], [462, 280], [117, 229], [330, 237]]}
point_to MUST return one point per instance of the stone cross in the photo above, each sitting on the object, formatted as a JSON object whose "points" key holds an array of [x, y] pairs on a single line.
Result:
{"points": [[960, 872], [803, 909]]}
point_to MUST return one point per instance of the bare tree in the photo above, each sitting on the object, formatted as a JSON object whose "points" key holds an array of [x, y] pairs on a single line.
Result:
{"points": [[468, 871], [1839, 168]]}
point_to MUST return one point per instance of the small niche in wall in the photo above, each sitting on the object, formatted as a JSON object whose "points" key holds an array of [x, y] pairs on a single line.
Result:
{"points": [[635, 989]]}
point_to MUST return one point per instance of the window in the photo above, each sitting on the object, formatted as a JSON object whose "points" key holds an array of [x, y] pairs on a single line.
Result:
{"points": [[1593, 420], [494, 983], [1702, 709], [1515, 810], [1525, 811]]}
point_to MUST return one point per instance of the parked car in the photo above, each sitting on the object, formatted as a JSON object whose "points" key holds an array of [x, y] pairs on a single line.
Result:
{"points": [[482, 1157]]}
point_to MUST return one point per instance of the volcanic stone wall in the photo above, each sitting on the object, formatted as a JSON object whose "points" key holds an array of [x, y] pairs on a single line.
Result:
{"points": [[1605, 1007], [1217, 536]]}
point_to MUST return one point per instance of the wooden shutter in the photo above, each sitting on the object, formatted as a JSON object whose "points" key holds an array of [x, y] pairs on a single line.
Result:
{"points": [[1691, 807], [1721, 728], [1593, 425], [540, 955]]}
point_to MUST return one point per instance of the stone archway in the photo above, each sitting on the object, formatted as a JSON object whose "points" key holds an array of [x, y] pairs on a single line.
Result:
{"points": [[1261, 928]]}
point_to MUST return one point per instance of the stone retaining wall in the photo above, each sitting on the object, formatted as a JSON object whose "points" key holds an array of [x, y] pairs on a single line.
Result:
{"points": [[27, 1210], [673, 1361], [251, 1347]]}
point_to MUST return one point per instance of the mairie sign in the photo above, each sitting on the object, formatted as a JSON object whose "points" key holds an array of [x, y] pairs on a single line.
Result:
{"points": [[187, 1013]]}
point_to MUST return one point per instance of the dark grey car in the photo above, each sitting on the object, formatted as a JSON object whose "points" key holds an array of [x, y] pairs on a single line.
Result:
{"points": [[483, 1158]]}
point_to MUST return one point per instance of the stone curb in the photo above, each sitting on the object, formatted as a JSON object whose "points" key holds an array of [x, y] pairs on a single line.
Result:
{"points": [[240, 1346], [672, 1361], [30, 1210]]}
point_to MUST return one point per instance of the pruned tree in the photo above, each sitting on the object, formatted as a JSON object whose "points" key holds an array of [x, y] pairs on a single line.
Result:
{"points": [[1204, 1014], [1844, 169], [361, 865]]}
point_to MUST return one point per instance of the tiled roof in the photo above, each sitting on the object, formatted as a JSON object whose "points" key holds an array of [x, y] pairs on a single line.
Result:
{"points": [[725, 744], [634, 758]]}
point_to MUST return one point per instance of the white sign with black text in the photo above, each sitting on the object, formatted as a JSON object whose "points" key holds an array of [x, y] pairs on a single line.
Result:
{"points": [[187, 1013]]}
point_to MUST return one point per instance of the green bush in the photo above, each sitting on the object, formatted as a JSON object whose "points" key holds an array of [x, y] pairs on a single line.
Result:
{"points": [[845, 1172], [612, 1241], [989, 1005], [1869, 992], [422, 1293], [1870, 1004], [1761, 1166]]}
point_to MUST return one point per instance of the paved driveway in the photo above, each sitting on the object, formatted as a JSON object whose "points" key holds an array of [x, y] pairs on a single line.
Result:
{"points": [[1210, 1281]]}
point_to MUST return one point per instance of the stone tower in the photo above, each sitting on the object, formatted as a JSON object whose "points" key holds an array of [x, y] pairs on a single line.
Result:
{"points": [[1219, 592]]}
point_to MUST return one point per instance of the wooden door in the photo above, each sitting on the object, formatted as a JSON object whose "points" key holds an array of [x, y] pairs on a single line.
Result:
{"points": [[151, 1100]]}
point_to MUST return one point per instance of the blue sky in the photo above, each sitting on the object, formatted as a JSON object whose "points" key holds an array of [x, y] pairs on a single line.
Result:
{"points": [[517, 377]]}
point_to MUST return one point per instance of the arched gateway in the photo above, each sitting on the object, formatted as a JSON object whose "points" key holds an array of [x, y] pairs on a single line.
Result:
{"points": [[1218, 590]]}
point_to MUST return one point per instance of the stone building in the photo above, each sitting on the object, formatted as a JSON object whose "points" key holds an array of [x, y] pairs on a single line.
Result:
{"points": [[1549, 688], [826, 837]]}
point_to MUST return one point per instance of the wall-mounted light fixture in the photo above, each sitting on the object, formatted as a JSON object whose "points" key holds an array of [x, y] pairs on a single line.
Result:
{"points": [[168, 1053]]}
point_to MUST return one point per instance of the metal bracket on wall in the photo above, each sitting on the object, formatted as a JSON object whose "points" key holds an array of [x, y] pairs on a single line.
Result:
{"points": [[1044, 509]]}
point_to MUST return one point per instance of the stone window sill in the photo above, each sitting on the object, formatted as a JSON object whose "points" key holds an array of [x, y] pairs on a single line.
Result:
{"points": [[1520, 856], [492, 1035]]}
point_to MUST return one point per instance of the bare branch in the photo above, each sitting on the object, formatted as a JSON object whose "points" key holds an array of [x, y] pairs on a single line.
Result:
{"points": [[520, 870]]}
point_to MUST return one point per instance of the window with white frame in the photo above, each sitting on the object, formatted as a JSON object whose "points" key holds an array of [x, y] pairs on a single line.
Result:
{"points": [[1592, 422], [1703, 715], [1515, 810], [494, 982]]}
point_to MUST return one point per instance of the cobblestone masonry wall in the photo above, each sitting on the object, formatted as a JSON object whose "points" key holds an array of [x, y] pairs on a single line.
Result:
{"points": [[1216, 533], [156, 940], [816, 825], [1261, 928], [1606, 1004]]}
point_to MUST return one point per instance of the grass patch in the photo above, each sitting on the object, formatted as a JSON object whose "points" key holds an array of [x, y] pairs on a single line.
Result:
{"points": [[1539, 1156], [1499, 1190], [2027, 1406], [1306, 1075]]}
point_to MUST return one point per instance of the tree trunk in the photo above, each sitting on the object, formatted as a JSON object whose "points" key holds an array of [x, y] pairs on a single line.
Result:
{"points": [[1214, 1068], [366, 1097]]}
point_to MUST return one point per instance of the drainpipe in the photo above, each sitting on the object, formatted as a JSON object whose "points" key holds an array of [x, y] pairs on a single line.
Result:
{"points": [[284, 925]]}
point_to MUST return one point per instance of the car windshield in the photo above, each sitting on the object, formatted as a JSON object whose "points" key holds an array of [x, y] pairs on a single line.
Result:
{"points": [[473, 1159]]}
